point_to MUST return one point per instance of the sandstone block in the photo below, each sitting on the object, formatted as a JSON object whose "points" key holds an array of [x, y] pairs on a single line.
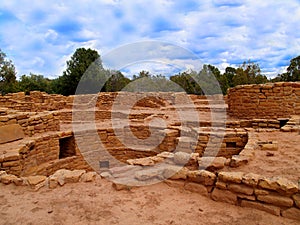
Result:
{"points": [[11, 132], [287, 186], [260, 206], [246, 197], [52, 182], [73, 176], [7, 178], [239, 188], [221, 185], [147, 174], [270, 147], [292, 213], [120, 187], [106, 175], [34, 180], [88, 177], [214, 162], [237, 161], [268, 183], [19, 181], [296, 198], [197, 188], [11, 156], [10, 164], [261, 192], [123, 170], [175, 173], [181, 158], [2, 173], [224, 196], [251, 179], [202, 176], [234, 177], [278, 184], [276, 200]]}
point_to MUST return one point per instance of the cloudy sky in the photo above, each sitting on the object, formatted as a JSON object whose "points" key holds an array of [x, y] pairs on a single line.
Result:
{"points": [[40, 36]]}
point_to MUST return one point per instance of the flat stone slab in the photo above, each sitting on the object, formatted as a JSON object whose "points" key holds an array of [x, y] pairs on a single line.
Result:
{"points": [[11, 132]]}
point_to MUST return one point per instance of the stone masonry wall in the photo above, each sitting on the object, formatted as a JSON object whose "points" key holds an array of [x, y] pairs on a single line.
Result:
{"points": [[35, 102], [272, 100], [32, 123], [40, 156]]}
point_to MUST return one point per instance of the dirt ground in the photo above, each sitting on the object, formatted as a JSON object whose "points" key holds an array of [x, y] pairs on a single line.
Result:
{"points": [[98, 203], [285, 162]]}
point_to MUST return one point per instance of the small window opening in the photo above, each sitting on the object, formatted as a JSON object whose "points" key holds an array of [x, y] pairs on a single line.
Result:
{"points": [[283, 122], [230, 144], [67, 147]]}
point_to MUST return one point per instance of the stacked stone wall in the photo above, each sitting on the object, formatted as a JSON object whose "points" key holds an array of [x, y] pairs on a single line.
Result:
{"points": [[272, 100], [32, 123], [34, 102]]}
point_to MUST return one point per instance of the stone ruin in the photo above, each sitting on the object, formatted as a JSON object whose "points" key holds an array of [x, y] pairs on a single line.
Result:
{"points": [[49, 140]]}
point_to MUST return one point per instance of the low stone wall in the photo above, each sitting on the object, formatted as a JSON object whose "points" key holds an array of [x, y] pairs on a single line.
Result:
{"points": [[34, 102], [275, 195], [41, 156], [272, 100], [59, 178], [32, 123]]}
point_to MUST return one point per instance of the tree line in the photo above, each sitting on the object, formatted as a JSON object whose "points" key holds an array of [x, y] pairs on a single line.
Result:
{"points": [[96, 78]]}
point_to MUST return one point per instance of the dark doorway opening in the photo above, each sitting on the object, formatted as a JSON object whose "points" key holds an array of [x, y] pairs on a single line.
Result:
{"points": [[283, 122], [230, 144], [67, 147]]}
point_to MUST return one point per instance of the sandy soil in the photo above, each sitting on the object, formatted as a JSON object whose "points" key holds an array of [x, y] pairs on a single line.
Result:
{"points": [[284, 163], [99, 203]]}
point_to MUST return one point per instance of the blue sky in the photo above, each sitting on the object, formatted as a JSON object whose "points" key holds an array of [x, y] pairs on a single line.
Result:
{"points": [[40, 36]]}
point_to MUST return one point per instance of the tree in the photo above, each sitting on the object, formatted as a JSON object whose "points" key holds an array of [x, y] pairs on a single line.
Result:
{"points": [[293, 71], [248, 73], [77, 66], [34, 82], [7, 75], [116, 82], [187, 82]]}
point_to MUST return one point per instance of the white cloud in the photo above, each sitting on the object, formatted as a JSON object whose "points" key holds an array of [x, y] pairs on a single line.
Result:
{"points": [[234, 31]]}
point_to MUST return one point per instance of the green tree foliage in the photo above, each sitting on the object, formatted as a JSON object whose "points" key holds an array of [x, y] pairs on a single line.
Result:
{"points": [[248, 73], [146, 82], [205, 81], [293, 71], [34, 82], [187, 82], [7, 75], [116, 82], [77, 66]]}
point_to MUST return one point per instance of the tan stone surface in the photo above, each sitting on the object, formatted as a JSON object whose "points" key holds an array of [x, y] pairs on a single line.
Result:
{"points": [[276, 200], [215, 162], [10, 133], [224, 196], [260, 206], [234, 177], [296, 198], [175, 172], [239, 188], [73, 176], [7, 178], [292, 213], [251, 179], [88, 177], [202, 176]]}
